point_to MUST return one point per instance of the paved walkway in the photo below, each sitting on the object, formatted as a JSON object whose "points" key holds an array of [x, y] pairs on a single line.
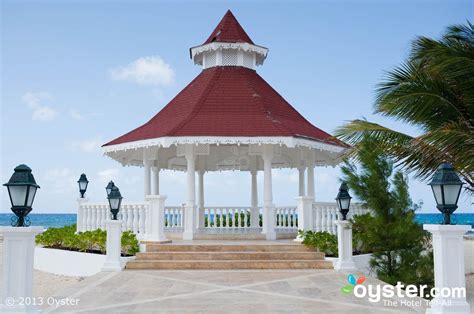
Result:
{"points": [[246, 291]]}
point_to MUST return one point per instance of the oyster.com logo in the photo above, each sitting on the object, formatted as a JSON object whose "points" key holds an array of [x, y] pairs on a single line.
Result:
{"points": [[352, 283]]}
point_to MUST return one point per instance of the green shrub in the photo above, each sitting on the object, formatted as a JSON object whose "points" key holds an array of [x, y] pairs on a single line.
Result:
{"points": [[322, 241], [66, 238], [130, 245]]}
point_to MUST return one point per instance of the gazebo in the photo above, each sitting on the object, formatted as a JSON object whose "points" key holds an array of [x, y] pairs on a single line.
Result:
{"points": [[229, 118]]}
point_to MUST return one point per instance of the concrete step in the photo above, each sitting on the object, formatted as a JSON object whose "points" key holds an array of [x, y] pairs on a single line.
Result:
{"points": [[150, 247], [229, 264], [199, 256]]}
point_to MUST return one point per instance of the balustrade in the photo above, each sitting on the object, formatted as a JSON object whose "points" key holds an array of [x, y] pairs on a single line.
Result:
{"points": [[225, 219]]}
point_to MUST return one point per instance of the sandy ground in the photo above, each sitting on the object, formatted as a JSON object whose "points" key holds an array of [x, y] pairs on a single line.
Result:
{"points": [[44, 284]]}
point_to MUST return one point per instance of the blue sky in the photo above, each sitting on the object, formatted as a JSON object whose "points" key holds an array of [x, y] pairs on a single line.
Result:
{"points": [[70, 83]]}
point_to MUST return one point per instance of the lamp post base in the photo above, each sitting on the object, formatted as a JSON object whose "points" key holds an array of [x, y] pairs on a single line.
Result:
{"points": [[448, 251], [344, 243], [18, 261], [114, 248]]}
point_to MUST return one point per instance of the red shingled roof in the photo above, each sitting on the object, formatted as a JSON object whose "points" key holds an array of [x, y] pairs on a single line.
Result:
{"points": [[227, 101], [229, 31]]}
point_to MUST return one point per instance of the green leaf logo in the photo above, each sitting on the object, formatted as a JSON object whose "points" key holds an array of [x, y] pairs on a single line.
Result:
{"points": [[347, 289]]}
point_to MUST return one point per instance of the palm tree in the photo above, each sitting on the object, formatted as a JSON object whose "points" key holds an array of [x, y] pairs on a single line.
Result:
{"points": [[434, 91]]}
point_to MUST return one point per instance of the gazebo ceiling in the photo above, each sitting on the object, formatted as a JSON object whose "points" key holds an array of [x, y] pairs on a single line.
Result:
{"points": [[229, 109]]}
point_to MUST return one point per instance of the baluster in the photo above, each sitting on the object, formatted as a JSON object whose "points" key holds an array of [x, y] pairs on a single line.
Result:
{"points": [[323, 218], [329, 220], [235, 215], [99, 217], [135, 219], [282, 218], [129, 217], [182, 213], [124, 217], [94, 217], [177, 216], [170, 217], [295, 224], [102, 217], [223, 212], [141, 221], [86, 217], [286, 218], [334, 220], [237, 218]]}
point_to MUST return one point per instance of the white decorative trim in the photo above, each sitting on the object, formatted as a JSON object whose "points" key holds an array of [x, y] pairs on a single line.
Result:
{"points": [[212, 54], [288, 141]]}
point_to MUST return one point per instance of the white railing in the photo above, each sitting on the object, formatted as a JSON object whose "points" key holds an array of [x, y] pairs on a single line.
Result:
{"points": [[134, 218], [174, 218], [286, 218], [93, 216], [326, 213], [227, 218]]}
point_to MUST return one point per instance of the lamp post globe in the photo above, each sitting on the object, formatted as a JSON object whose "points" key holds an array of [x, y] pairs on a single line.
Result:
{"points": [[22, 189], [115, 200], [446, 187], [83, 182], [109, 187], [343, 200]]}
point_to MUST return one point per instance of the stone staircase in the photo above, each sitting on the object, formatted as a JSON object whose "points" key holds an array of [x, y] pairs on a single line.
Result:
{"points": [[229, 256]]}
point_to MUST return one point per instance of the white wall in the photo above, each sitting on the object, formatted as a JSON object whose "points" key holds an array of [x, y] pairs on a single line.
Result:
{"points": [[69, 263]]}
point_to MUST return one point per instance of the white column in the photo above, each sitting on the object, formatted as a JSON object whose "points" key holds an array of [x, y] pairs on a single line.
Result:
{"points": [[80, 214], [200, 218], [114, 248], [254, 214], [146, 174], [448, 252], [190, 207], [18, 261], [268, 206], [301, 190], [310, 192], [156, 181], [344, 246], [156, 231]]}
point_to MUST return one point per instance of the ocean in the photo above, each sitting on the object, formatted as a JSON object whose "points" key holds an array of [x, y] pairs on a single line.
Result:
{"points": [[60, 220]]}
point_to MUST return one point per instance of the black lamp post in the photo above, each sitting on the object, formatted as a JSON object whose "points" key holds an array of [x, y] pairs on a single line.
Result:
{"points": [[109, 187], [446, 187], [343, 200], [22, 190], [115, 199], [83, 182]]}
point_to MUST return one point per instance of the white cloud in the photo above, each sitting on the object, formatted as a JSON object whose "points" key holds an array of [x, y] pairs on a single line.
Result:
{"points": [[152, 70], [88, 145], [60, 181], [35, 101], [106, 175], [76, 115]]}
